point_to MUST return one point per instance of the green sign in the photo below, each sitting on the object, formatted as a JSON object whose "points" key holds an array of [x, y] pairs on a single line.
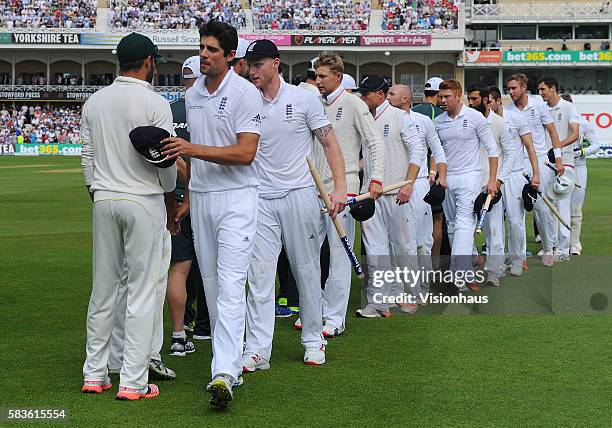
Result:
{"points": [[48, 149], [585, 57], [6, 39]]}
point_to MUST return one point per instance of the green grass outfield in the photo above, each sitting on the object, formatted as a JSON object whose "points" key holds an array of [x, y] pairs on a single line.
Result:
{"points": [[550, 365]]}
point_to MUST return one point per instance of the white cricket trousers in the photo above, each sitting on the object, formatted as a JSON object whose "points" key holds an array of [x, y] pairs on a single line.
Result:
{"points": [[390, 240], [126, 227], [292, 220], [545, 219], [458, 209], [564, 206], [424, 224], [493, 228], [577, 201], [224, 227], [338, 285], [512, 198], [115, 360]]}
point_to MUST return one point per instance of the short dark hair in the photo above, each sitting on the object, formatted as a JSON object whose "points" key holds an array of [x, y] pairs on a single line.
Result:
{"points": [[549, 81], [224, 33], [494, 93], [482, 90], [567, 97], [430, 93], [133, 65]]}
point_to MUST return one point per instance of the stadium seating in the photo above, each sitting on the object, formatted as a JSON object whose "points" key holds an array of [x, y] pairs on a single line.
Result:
{"points": [[409, 15], [42, 14], [311, 14], [58, 124], [173, 14]]}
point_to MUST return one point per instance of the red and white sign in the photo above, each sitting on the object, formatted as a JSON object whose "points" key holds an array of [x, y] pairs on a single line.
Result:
{"points": [[597, 109], [397, 40], [482, 56]]}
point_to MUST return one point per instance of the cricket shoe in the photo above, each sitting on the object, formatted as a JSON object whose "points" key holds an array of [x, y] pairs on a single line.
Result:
{"points": [[561, 256], [371, 312], [548, 258], [96, 386], [537, 239], [516, 269], [541, 252], [180, 346], [297, 324], [575, 250], [493, 280], [131, 394], [282, 311], [252, 362], [221, 391], [201, 335], [407, 308], [330, 330], [189, 328], [157, 370], [314, 355], [472, 286]]}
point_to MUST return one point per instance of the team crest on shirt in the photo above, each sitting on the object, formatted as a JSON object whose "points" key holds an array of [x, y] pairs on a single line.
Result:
{"points": [[559, 117], [288, 113], [532, 112], [386, 130], [221, 110], [339, 114], [464, 125]]}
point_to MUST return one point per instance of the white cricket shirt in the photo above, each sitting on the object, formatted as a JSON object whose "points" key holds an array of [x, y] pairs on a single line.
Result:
{"points": [[461, 138], [429, 138], [505, 146], [109, 160], [401, 141], [215, 120], [517, 126], [537, 114], [563, 114], [587, 134], [287, 138]]}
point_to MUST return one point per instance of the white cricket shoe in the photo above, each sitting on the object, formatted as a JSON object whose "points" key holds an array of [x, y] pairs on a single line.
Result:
{"points": [[548, 258], [297, 324], [314, 355], [371, 312], [492, 280], [516, 269], [330, 330], [252, 362], [575, 250], [407, 308], [537, 239], [561, 256]]}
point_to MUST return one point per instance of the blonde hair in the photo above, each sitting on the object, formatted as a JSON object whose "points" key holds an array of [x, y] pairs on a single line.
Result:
{"points": [[519, 77], [331, 60]]}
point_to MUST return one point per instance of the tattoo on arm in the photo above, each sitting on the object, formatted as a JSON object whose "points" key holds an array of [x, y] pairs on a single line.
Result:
{"points": [[323, 132]]}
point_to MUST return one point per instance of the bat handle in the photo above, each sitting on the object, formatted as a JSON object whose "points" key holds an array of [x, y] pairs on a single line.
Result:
{"points": [[352, 257]]}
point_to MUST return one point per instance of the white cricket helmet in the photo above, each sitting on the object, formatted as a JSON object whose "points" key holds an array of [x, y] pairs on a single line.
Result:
{"points": [[562, 185]]}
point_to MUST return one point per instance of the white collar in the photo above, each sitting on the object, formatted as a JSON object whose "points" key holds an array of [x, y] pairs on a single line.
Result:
{"points": [[280, 89], [126, 79], [380, 109], [200, 84], [329, 100], [461, 113]]}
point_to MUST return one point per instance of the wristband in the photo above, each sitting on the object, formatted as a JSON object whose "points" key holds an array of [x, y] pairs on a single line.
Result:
{"points": [[557, 152], [376, 182]]}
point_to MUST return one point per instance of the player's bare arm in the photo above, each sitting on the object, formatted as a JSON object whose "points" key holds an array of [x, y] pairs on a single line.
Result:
{"points": [[573, 135], [533, 159], [405, 193], [183, 209], [335, 160], [241, 153], [554, 138]]}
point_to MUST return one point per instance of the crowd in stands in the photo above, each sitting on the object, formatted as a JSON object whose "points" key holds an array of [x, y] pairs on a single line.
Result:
{"points": [[66, 79], [5, 79], [17, 14], [29, 124], [31, 79], [406, 15], [174, 14], [311, 14]]}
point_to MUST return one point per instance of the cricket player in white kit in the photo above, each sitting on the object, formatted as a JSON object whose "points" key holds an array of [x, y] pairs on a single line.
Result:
{"points": [[540, 121], [587, 144], [354, 128], [390, 234], [462, 130], [520, 132], [288, 206], [224, 119], [129, 217], [478, 99], [400, 96], [567, 123]]}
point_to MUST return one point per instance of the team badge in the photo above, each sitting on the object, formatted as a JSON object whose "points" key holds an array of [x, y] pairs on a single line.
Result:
{"points": [[221, 110], [386, 130], [288, 113], [339, 113]]}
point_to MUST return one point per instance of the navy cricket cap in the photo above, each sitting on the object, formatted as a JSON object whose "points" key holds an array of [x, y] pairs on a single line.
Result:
{"points": [[481, 199], [134, 47], [363, 210], [262, 49], [373, 83], [436, 194], [147, 141], [529, 195]]}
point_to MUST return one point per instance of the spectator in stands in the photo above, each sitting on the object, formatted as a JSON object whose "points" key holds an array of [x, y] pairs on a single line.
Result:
{"points": [[605, 46], [58, 124], [173, 14], [587, 46], [41, 14], [406, 15], [337, 15]]}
